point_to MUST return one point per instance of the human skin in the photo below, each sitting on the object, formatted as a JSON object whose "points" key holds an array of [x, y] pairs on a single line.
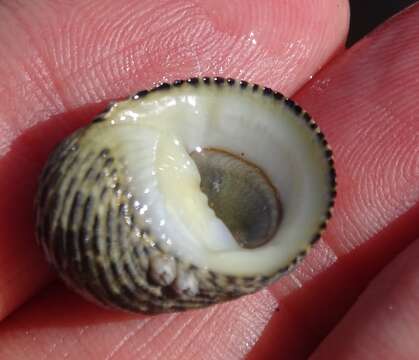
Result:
{"points": [[64, 60]]}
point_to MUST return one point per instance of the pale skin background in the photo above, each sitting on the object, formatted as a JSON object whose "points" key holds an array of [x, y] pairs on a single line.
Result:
{"points": [[62, 61]]}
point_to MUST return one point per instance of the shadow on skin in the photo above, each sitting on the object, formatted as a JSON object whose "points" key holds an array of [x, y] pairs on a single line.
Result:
{"points": [[21, 260], [58, 307], [21, 166], [353, 271]]}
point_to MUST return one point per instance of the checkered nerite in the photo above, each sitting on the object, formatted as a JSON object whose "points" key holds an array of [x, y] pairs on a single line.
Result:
{"points": [[188, 194]]}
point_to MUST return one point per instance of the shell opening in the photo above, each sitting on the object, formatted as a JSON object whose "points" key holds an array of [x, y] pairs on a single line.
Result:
{"points": [[156, 137], [240, 194]]}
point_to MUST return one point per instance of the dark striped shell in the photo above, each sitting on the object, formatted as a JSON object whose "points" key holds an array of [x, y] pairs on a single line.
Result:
{"points": [[91, 228]]}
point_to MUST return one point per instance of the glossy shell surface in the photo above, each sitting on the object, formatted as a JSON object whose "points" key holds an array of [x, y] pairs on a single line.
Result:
{"points": [[122, 212]]}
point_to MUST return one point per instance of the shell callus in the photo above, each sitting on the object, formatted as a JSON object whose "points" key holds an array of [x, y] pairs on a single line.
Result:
{"points": [[185, 195]]}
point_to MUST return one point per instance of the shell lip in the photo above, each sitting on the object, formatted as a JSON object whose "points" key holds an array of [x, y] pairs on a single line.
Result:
{"points": [[292, 105]]}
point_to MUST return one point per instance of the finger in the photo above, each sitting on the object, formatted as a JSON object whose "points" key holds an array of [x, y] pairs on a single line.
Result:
{"points": [[366, 103], [65, 58], [59, 324], [383, 324]]}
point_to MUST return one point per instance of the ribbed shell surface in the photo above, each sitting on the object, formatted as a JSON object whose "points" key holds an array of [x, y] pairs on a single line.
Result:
{"points": [[92, 232]]}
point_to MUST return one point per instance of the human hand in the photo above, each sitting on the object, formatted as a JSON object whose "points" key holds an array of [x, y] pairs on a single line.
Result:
{"points": [[64, 60]]}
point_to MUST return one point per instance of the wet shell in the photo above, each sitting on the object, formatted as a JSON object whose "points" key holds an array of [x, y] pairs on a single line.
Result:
{"points": [[189, 194]]}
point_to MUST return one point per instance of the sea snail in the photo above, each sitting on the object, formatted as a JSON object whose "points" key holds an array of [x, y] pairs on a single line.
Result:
{"points": [[182, 196]]}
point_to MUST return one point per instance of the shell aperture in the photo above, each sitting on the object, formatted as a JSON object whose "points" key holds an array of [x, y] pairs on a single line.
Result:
{"points": [[186, 195], [240, 195]]}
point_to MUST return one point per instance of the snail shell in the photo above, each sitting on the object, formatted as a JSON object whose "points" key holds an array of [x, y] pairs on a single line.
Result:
{"points": [[186, 195]]}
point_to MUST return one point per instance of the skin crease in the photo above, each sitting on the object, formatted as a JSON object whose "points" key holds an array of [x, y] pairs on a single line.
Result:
{"points": [[375, 212], [73, 65], [387, 328]]}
